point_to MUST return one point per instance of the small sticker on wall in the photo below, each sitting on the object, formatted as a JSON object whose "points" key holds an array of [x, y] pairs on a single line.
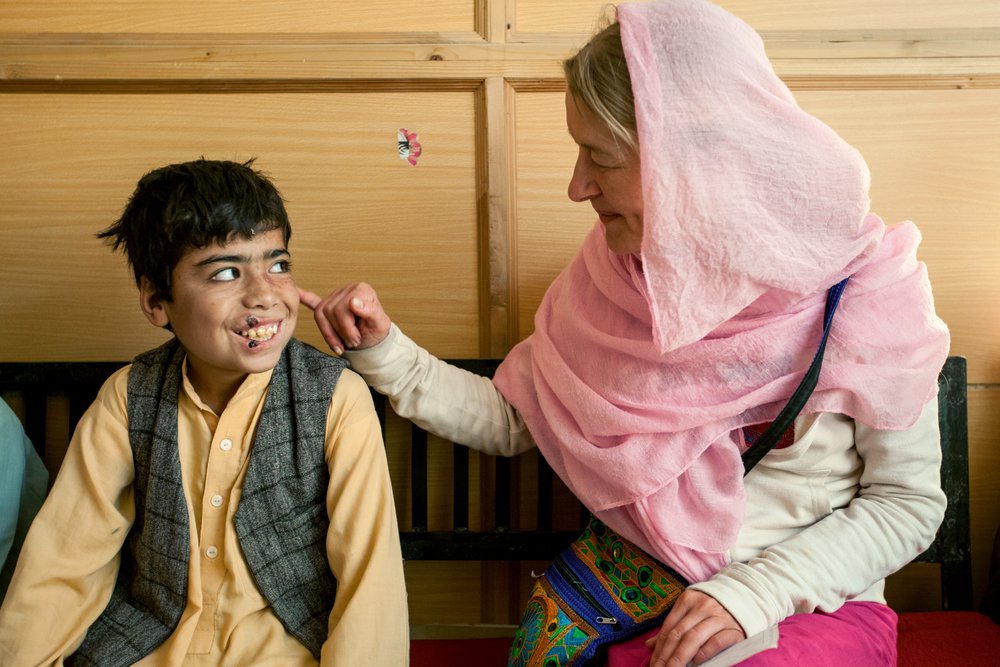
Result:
{"points": [[409, 147]]}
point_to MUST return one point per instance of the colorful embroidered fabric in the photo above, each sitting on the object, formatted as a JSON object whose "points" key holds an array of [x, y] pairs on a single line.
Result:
{"points": [[602, 589]]}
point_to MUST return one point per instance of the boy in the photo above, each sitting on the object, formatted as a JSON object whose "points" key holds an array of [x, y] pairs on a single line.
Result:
{"points": [[226, 499]]}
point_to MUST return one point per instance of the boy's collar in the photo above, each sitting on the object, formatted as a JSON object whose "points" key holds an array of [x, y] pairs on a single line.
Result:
{"points": [[253, 385]]}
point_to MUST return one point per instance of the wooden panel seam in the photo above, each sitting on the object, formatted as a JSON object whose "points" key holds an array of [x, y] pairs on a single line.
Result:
{"points": [[491, 20], [958, 58], [495, 154]]}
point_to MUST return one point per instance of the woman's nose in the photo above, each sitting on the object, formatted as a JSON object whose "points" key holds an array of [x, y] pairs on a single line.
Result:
{"points": [[582, 186]]}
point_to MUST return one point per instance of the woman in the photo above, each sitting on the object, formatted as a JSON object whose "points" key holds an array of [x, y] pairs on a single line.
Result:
{"points": [[685, 321]]}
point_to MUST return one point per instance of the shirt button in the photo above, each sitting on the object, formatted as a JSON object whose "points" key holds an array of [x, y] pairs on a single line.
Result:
{"points": [[211, 552], [216, 501], [226, 445]]}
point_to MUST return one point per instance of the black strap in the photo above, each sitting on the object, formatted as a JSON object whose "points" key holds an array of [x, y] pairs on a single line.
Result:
{"points": [[786, 417]]}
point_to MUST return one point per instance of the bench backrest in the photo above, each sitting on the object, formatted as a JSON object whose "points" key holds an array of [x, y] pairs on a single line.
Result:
{"points": [[35, 388], [953, 546]]}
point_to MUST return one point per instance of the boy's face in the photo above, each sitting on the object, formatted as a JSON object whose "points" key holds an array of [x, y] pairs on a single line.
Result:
{"points": [[233, 308]]}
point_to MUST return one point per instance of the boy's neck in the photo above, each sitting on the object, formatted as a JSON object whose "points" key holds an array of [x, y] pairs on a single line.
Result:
{"points": [[214, 391]]}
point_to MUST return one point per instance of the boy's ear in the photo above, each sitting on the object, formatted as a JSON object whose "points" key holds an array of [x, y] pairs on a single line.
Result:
{"points": [[152, 305]]}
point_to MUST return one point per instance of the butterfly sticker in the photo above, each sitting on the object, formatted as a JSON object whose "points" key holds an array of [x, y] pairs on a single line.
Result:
{"points": [[409, 147]]}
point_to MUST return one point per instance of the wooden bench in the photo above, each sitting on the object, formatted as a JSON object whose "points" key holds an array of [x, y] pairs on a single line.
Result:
{"points": [[955, 635]]}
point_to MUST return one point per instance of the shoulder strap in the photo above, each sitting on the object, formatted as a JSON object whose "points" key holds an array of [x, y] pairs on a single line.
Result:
{"points": [[787, 416]]}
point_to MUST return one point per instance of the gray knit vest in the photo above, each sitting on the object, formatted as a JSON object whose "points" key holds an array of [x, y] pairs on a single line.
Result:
{"points": [[281, 521]]}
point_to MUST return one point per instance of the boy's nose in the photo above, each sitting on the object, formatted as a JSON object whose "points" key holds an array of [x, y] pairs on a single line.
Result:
{"points": [[260, 293]]}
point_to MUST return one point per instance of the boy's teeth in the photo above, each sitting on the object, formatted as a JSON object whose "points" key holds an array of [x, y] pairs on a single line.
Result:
{"points": [[262, 333]]}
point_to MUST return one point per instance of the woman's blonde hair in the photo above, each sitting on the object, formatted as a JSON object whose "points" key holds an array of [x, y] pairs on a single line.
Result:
{"points": [[597, 77]]}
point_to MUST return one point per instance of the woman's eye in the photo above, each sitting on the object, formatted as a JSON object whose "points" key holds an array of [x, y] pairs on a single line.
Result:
{"points": [[603, 163], [284, 266], [226, 275]]}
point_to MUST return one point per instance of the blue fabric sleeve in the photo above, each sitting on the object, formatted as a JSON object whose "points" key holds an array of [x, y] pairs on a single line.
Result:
{"points": [[12, 477], [24, 482]]}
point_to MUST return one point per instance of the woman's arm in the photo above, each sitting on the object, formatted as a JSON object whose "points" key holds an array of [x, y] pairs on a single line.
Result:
{"points": [[450, 402], [891, 520]]}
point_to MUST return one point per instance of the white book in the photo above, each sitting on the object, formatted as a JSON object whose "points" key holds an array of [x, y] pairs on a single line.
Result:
{"points": [[742, 650]]}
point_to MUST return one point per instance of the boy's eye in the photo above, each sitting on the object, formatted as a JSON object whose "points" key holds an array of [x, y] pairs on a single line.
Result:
{"points": [[284, 266], [225, 275]]}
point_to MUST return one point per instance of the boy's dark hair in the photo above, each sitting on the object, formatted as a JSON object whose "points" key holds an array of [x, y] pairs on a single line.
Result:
{"points": [[190, 205]]}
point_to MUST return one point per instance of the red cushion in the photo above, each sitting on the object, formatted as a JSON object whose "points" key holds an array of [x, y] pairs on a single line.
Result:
{"points": [[942, 638], [485, 652]]}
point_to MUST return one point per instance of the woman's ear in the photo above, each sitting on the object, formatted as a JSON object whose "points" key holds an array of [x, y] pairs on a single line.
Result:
{"points": [[152, 305]]}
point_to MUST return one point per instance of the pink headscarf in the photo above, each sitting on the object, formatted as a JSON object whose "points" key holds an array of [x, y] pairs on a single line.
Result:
{"points": [[642, 370]]}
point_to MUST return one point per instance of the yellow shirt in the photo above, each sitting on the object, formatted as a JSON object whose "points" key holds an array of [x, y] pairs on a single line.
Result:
{"points": [[69, 562]]}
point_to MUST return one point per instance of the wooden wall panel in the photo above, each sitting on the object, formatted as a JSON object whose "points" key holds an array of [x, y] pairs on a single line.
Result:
{"points": [[984, 477], [549, 227], [823, 15], [562, 16], [237, 16], [358, 211], [443, 593]]}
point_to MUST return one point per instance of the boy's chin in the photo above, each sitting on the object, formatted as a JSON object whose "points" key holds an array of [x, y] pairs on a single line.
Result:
{"points": [[263, 366]]}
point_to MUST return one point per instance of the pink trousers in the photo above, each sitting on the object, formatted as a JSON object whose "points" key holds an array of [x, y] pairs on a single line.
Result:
{"points": [[861, 634]]}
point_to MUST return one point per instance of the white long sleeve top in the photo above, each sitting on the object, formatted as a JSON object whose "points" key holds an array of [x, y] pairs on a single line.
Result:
{"points": [[827, 518]]}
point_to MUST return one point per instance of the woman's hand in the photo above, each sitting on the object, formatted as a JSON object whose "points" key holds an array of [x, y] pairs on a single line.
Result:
{"points": [[349, 318], [696, 629]]}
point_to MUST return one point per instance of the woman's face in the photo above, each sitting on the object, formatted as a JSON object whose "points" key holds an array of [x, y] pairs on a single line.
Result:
{"points": [[607, 176]]}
